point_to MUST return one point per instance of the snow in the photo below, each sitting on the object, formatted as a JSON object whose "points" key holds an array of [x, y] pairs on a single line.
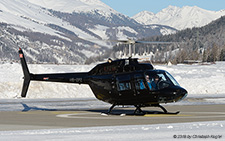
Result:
{"points": [[166, 31], [70, 6], [200, 79], [34, 16], [128, 29], [179, 131], [11, 82], [196, 79], [100, 30], [30, 16]]}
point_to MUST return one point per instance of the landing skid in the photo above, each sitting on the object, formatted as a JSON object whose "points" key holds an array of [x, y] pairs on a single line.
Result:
{"points": [[175, 113], [168, 113], [139, 111], [111, 108]]}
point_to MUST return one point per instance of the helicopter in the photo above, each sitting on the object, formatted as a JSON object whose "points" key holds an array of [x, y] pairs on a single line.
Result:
{"points": [[119, 82]]}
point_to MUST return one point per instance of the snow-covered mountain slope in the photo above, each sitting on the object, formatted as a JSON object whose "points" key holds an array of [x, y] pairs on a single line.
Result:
{"points": [[70, 6], [26, 16], [66, 31], [179, 18]]}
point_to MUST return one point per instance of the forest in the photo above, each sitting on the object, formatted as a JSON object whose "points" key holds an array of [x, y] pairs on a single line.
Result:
{"points": [[204, 44]]}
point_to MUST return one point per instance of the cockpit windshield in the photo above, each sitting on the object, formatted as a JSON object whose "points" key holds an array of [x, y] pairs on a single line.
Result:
{"points": [[158, 79], [172, 79]]}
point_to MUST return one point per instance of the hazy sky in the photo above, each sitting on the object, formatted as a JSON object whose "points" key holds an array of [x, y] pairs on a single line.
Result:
{"points": [[132, 7]]}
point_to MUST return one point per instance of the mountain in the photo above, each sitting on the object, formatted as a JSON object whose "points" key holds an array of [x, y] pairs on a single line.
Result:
{"points": [[68, 31], [202, 44], [70, 6], [179, 18]]}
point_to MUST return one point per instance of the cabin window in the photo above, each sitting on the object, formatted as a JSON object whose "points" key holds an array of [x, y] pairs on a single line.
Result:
{"points": [[124, 86], [123, 83], [139, 82]]}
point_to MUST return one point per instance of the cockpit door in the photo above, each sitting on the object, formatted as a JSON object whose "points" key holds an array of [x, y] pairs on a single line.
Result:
{"points": [[140, 84]]}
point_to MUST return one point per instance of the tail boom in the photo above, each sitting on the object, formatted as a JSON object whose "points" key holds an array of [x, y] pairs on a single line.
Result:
{"points": [[79, 78]]}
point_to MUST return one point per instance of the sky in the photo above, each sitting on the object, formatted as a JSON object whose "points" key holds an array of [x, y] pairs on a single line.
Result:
{"points": [[132, 7]]}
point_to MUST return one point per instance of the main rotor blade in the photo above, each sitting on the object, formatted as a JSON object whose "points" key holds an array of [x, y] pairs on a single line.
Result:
{"points": [[154, 42], [131, 41], [139, 42], [123, 41]]}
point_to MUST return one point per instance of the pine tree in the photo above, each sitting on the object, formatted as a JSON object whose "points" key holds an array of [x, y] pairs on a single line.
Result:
{"points": [[213, 55], [222, 55]]}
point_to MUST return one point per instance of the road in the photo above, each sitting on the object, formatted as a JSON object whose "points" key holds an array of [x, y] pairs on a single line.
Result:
{"points": [[61, 118]]}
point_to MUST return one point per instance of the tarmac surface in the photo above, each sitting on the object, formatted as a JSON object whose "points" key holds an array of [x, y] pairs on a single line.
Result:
{"points": [[49, 119]]}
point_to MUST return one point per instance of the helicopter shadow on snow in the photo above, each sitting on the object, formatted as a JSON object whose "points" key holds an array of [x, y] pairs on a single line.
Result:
{"points": [[27, 108], [117, 111], [34, 108], [130, 112]]}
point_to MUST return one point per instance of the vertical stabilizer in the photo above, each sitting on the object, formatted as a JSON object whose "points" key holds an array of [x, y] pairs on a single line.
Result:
{"points": [[26, 73]]}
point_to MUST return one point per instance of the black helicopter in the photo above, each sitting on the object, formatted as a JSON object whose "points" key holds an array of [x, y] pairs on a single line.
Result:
{"points": [[119, 82]]}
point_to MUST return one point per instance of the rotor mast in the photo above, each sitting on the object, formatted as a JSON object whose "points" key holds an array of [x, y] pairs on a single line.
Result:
{"points": [[131, 43]]}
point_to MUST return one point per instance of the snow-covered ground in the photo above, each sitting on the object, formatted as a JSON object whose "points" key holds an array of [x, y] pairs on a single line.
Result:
{"points": [[12, 79], [177, 131], [201, 81]]}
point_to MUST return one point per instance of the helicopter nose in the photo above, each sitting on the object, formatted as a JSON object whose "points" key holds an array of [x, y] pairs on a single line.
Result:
{"points": [[181, 93]]}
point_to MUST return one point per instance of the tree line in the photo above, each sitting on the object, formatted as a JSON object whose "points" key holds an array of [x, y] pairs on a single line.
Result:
{"points": [[205, 44]]}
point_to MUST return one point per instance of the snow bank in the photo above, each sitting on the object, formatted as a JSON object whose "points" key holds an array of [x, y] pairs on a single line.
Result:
{"points": [[197, 79], [11, 82]]}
